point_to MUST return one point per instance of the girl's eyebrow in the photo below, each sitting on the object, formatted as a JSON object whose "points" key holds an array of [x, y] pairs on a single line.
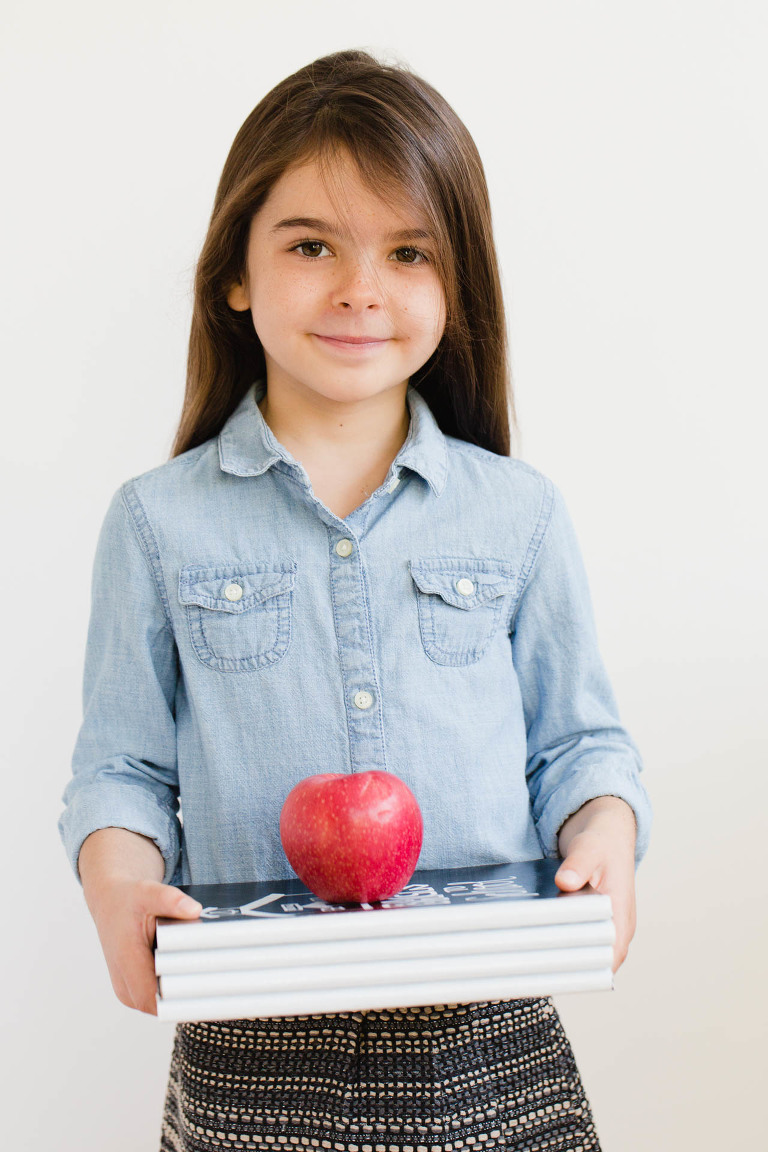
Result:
{"points": [[313, 224]]}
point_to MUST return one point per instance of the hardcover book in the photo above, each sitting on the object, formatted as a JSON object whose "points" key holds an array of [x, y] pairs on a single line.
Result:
{"points": [[440, 900], [490, 932]]}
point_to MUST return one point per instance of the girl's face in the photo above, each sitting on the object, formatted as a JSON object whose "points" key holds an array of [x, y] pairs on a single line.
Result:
{"points": [[346, 306]]}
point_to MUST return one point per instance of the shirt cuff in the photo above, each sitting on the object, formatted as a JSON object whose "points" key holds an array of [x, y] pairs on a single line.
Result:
{"points": [[587, 785], [120, 807]]}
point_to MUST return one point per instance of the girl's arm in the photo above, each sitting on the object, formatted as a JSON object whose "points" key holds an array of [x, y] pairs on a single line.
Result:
{"points": [[124, 763], [120, 825], [122, 874], [583, 769]]}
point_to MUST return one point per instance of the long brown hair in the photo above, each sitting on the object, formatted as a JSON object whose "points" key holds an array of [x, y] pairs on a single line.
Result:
{"points": [[405, 139]]}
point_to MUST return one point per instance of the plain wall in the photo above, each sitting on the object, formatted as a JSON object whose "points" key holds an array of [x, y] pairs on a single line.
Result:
{"points": [[625, 151]]}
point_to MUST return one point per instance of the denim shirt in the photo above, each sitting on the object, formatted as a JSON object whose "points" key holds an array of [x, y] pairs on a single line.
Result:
{"points": [[243, 637]]}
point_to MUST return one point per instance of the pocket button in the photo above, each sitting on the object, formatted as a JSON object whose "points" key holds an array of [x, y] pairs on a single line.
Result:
{"points": [[233, 592], [464, 586]]}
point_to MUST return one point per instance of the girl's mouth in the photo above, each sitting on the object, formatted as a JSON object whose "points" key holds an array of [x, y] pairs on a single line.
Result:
{"points": [[351, 343]]}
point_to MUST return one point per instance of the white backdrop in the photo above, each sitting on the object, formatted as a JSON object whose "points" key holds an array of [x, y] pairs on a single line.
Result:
{"points": [[625, 150]]}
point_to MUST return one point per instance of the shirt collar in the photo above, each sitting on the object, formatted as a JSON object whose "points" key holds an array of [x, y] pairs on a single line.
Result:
{"points": [[247, 446]]}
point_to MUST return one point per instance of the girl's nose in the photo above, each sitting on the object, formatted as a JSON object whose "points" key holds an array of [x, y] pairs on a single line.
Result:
{"points": [[356, 288]]}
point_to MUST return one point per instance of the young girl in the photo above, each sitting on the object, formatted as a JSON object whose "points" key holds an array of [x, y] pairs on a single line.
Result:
{"points": [[342, 569]]}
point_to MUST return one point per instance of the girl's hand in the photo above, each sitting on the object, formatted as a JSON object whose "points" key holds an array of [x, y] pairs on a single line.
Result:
{"points": [[121, 873], [125, 912], [598, 846]]}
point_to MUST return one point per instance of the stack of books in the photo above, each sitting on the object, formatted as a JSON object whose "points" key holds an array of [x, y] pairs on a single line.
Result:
{"points": [[450, 936]]}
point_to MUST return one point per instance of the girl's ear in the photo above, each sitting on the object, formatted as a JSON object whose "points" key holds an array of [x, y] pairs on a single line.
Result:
{"points": [[237, 298]]}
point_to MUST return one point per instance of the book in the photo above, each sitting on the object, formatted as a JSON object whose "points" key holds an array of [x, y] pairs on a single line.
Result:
{"points": [[371, 997], [447, 900], [537, 938], [402, 971], [487, 932]]}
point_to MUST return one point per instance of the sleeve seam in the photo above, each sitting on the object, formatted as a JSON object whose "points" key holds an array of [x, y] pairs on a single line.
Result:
{"points": [[535, 544], [148, 543]]}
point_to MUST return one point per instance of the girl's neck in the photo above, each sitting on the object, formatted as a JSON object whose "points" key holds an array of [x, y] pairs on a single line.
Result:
{"points": [[316, 430]]}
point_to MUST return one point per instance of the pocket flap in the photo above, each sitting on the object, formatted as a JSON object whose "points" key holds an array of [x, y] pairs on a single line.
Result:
{"points": [[234, 588], [464, 583]]}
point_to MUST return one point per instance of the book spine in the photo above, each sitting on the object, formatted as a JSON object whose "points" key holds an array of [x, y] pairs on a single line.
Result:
{"points": [[316, 1001], [375, 923], [375, 972], [397, 948]]}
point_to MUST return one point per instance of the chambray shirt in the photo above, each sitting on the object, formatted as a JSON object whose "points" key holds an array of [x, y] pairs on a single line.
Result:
{"points": [[243, 637]]}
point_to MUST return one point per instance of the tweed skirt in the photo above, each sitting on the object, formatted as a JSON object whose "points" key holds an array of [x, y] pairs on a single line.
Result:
{"points": [[448, 1078]]}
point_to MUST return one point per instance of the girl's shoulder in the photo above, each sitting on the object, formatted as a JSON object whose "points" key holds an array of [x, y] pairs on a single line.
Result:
{"points": [[491, 458], [182, 490], [509, 498], [197, 464], [485, 465]]}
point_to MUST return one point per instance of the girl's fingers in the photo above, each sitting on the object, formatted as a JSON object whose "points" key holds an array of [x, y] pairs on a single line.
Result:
{"points": [[157, 900], [137, 966], [581, 866], [164, 900], [141, 983], [585, 864], [120, 987], [624, 921]]}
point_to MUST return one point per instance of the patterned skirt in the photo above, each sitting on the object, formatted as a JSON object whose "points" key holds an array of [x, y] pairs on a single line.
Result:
{"points": [[447, 1078]]}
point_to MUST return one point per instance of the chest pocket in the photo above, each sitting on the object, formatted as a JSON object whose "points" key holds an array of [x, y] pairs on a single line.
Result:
{"points": [[239, 615], [462, 603]]}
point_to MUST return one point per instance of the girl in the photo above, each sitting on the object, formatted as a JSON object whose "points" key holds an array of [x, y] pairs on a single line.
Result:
{"points": [[341, 569]]}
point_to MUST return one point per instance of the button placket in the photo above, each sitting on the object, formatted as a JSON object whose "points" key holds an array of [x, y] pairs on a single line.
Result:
{"points": [[349, 592]]}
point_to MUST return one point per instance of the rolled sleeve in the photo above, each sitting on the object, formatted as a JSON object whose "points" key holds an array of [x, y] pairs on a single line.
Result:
{"points": [[577, 748], [124, 769]]}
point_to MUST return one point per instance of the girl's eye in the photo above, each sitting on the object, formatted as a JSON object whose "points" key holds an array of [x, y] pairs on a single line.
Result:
{"points": [[310, 249], [409, 256]]}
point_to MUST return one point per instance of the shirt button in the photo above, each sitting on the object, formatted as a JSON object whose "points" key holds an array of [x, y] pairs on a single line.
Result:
{"points": [[466, 587], [363, 700], [233, 591], [393, 483], [344, 547]]}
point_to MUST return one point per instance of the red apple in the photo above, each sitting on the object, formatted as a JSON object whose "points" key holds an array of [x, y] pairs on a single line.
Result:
{"points": [[352, 837]]}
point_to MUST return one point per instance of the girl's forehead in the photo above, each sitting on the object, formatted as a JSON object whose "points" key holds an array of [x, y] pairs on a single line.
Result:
{"points": [[335, 192]]}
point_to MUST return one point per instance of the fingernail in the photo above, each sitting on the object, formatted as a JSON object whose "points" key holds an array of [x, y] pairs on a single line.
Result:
{"points": [[187, 904], [569, 876]]}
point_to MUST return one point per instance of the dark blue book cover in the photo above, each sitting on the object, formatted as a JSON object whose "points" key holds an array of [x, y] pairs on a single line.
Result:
{"points": [[528, 880]]}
